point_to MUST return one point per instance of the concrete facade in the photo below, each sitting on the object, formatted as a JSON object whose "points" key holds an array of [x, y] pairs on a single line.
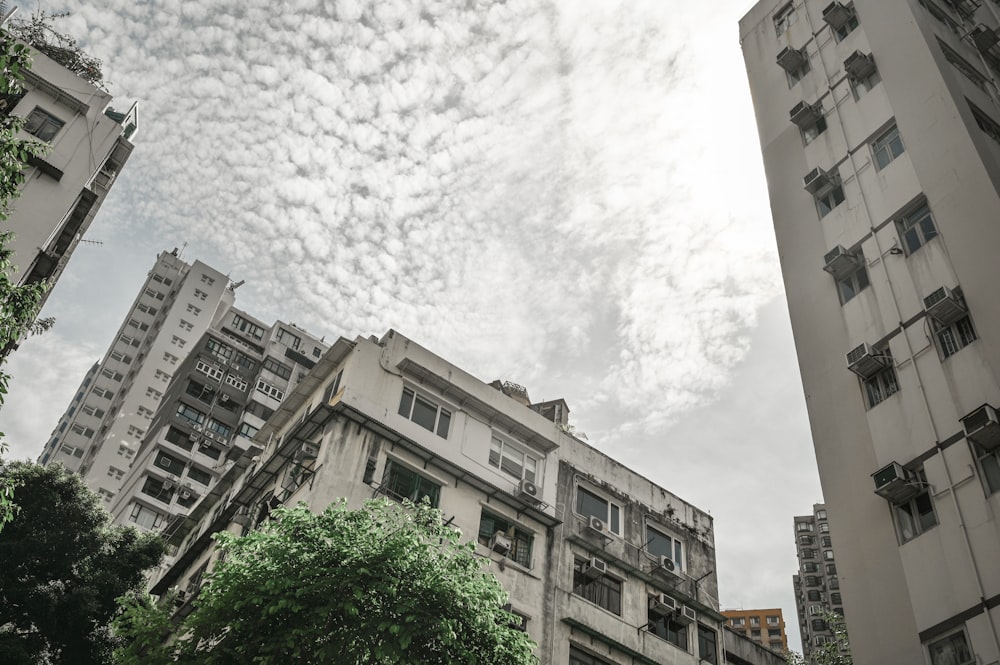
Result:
{"points": [[63, 190], [766, 627], [880, 133], [594, 552], [817, 583]]}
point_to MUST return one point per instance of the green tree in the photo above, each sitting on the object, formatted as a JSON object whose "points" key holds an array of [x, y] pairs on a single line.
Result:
{"points": [[384, 584], [837, 652], [18, 304], [62, 567]]}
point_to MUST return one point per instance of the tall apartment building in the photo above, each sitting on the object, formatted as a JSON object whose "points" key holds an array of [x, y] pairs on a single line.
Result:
{"points": [[99, 433], [63, 190], [604, 566], [816, 585], [766, 627], [880, 132]]}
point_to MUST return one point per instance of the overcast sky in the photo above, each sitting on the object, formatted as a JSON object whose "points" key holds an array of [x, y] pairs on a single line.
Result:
{"points": [[565, 194]]}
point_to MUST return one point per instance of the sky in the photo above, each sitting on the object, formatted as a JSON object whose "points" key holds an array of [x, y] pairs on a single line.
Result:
{"points": [[567, 194]]}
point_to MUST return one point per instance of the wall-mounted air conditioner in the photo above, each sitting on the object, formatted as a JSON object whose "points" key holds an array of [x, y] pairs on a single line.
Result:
{"points": [[839, 262], [836, 15], [210, 435], [184, 494], [818, 182], [668, 564], [895, 483], [687, 614], [529, 490], [663, 605], [866, 361], [791, 59], [984, 37], [595, 568], [859, 66], [197, 428], [223, 398], [944, 306], [500, 543], [983, 427], [597, 524], [805, 115]]}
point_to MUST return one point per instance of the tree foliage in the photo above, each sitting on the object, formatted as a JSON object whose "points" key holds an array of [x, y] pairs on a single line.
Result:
{"points": [[380, 585], [837, 652], [37, 30], [62, 567]]}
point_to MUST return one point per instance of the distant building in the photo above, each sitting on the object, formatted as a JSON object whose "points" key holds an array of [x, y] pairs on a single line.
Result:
{"points": [[879, 125], [605, 567], [816, 585], [63, 190], [766, 627]]}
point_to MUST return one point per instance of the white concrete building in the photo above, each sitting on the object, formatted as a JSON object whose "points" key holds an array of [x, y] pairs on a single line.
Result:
{"points": [[604, 566], [880, 131], [62, 192]]}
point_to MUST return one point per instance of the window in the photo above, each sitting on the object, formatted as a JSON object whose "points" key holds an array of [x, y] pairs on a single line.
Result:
{"points": [[808, 553], [145, 517], [951, 650], [954, 337], [125, 451], [589, 504], [194, 311], [155, 394], [916, 515], [170, 358], [218, 348], [93, 411], [916, 228], [834, 582], [399, 482], [818, 624], [604, 591], [828, 555], [290, 340], [155, 488], [962, 65], [271, 391], [42, 124], [243, 360], [105, 494], [281, 369], [667, 629], [236, 382], [199, 476], [814, 594], [986, 123], [205, 279], [824, 527], [784, 18], [755, 634], [831, 569], [809, 134], [425, 413], [169, 463], [177, 341], [827, 541], [660, 544], [812, 580], [826, 203], [708, 650], [115, 473], [217, 427], [111, 374], [189, 414], [247, 328], [860, 87], [186, 325], [520, 540], [577, 657], [854, 282], [797, 75], [810, 567], [803, 526], [754, 621], [738, 621], [774, 632], [880, 387], [259, 410], [247, 430], [161, 375], [199, 294], [317, 352], [146, 309], [512, 461], [887, 147], [848, 27], [211, 371], [135, 432], [805, 540]]}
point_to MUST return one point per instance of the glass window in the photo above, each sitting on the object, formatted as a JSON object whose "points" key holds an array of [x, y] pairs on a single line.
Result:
{"points": [[145, 517], [784, 18], [826, 203], [660, 544], [880, 386], [916, 228], [577, 657], [399, 482], [520, 540], [887, 147], [512, 461], [592, 505], [708, 650], [848, 27], [916, 515], [667, 629], [853, 283], [42, 124], [951, 650], [955, 337], [810, 134], [603, 591], [425, 413]]}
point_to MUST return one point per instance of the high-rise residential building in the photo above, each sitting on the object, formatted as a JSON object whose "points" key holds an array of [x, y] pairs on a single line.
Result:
{"points": [[766, 627], [880, 132], [63, 190], [816, 584], [603, 566]]}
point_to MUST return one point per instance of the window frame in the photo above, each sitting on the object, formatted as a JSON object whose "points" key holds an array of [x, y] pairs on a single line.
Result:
{"points": [[43, 125], [916, 228], [814, 131], [442, 416], [675, 545], [883, 144], [533, 475], [879, 387], [667, 628], [602, 591], [708, 645], [954, 337], [854, 283], [417, 493], [913, 526], [614, 512], [829, 202], [784, 18], [969, 656], [521, 539]]}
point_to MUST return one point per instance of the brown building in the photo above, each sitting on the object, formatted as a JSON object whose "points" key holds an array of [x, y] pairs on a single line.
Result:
{"points": [[766, 627]]}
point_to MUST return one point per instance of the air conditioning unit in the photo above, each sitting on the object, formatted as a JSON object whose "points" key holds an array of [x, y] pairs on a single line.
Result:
{"points": [[668, 564], [595, 568], [184, 494], [894, 483], [210, 435], [663, 605], [529, 490], [223, 398], [791, 59], [839, 262], [193, 438], [310, 450], [500, 543], [859, 66], [944, 306], [596, 524], [805, 115], [197, 428], [818, 182], [865, 361], [169, 484], [984, 37], [983, 427], [164, 462], [836, 15], [687, 614], [222, 441]]}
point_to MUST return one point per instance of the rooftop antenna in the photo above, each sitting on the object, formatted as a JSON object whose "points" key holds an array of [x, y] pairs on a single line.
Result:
{"points": [[238, 284], [183, 247], [92, 242]]}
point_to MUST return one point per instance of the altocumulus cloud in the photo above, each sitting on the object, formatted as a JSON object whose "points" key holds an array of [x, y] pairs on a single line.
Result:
{"points": [[518, 185]]}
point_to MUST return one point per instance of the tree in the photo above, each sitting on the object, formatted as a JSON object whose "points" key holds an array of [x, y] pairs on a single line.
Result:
{"points": [[63, 566], [837, 652], [384, 584]]}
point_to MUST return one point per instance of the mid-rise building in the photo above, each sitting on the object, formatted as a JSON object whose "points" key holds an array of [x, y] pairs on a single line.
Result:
{"points": [[816, 584], [89, 143], [604, 566], [766, 627], [880, 129]]}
